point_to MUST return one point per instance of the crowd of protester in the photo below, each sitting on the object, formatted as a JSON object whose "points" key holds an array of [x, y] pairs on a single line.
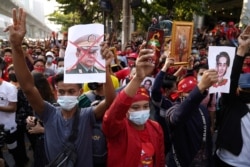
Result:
{"points": [[171, 125]]}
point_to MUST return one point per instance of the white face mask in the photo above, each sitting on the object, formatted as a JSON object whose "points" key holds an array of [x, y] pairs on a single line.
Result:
{"points": [[139, 117], [60, 70], [199, 78], [67, 102]]}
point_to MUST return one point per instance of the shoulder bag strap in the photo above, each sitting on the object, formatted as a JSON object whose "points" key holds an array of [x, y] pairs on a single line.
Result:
{"points": [[203, 138], [74, 131]]}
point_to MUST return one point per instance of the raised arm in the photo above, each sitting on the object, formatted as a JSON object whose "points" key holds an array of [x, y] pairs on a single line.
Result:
{"points": [[156, 93], [109, 90], [113, 121], [178, 114], [144, 67], [17, 32], [244, 40]]}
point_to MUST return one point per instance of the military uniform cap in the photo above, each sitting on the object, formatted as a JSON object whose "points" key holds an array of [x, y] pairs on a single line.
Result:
{"points": [[87, 41]]}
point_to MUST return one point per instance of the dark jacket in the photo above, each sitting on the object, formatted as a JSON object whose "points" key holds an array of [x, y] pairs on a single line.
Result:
{"points": [[186, 129], [233, 109], [160, 103]]}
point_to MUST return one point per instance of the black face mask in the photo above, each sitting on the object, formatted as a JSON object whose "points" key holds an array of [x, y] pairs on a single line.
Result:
{"points": [[93, 85], [12, 77], [244, 96]]}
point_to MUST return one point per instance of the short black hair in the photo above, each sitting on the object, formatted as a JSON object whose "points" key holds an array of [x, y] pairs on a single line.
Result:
{"points": [[201, 66], [60, 59], [7, 50], [60, 77], [169, 81], [25, 44], [39, 60]]}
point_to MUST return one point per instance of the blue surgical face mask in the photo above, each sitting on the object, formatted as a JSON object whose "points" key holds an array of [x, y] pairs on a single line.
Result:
{"points": [[139, 117], [67, 102], [49, 59]]}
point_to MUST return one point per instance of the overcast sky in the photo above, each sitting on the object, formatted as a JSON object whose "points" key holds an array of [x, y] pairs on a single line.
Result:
{"points": [[50, 7]]}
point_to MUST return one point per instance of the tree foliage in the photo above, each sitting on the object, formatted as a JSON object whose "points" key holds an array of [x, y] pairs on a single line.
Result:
{"points": [[169, 9], [88, 11], [85, 12]]}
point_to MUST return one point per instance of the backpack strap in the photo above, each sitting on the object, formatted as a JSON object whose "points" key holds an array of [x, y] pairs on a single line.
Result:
{"points": [[74, 131]]}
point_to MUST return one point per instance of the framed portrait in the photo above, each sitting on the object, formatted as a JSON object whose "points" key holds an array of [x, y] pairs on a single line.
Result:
{"points": [[181, 41]]}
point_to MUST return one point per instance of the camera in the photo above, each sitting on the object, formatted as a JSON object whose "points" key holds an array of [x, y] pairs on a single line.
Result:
{"points": [[3, 134]]}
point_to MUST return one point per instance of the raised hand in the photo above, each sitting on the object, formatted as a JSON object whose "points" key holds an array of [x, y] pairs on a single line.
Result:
{"points": [[144, 65], [47, 42], [209, 78], [168, 62], [107, 54], [244, 42], [18, 29]]}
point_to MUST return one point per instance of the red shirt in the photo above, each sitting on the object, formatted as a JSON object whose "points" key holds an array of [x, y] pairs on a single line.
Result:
{"points": [[147, 152], [124, 142], [122, 74]]}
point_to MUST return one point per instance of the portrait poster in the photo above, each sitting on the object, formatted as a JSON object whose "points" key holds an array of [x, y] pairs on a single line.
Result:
{"points": [[83, 62], [181, 41], [221, 58], [155, 40], [148, 83]]}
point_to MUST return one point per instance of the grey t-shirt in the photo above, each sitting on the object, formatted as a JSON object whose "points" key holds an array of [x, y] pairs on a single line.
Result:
{"points": [[57, 131]]}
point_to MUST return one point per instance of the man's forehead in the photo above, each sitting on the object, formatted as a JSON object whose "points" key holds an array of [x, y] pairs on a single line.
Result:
{"points": [[67, 86], [7, 54], [39, 63]]}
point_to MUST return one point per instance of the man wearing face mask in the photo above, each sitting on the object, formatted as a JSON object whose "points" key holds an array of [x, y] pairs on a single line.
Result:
{"points": [[49, 61], [58, 121], [39, 67], [38, 52], [234, 133], [60, 65], [133, 139], [189, 123], [122, 74]]}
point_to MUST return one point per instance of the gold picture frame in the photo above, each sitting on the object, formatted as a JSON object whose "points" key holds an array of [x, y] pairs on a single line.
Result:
{"points": [[181, 41]]}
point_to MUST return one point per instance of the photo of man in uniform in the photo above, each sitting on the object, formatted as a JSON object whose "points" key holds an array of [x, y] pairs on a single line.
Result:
{"points": [[222, 63], [86, 53]]}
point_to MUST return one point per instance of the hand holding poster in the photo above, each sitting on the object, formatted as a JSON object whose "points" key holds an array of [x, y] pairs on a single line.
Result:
{"points": [[221, 58], [83, 60], [155, 41]]}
